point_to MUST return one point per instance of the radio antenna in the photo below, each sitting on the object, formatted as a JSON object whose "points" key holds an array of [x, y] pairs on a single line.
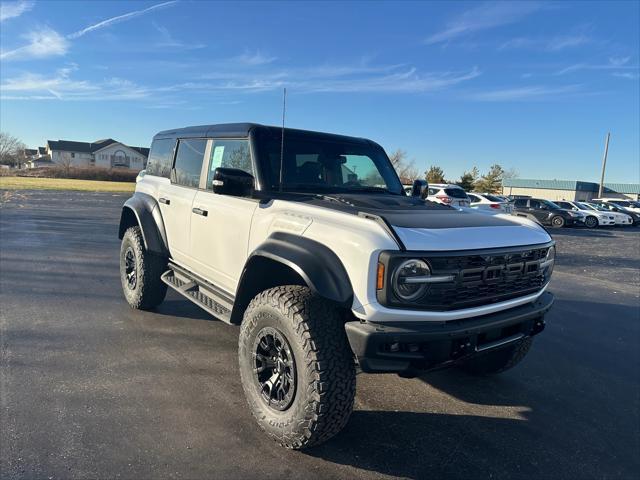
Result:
{"points": [[284, 109]]}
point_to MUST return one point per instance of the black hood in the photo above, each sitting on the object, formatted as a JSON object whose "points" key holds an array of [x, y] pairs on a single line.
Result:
{"points": [[398, 210]]}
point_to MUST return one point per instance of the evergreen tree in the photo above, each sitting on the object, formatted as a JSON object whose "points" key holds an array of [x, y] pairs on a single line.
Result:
{"points": [[468, 180], [434, 175], [491, 182]]}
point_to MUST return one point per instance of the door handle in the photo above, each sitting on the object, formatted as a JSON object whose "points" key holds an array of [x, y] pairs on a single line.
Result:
{"points": [[166, 201], [199, 211]]}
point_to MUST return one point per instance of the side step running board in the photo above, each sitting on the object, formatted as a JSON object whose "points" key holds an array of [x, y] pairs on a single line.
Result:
{"points": [[204, 294]]}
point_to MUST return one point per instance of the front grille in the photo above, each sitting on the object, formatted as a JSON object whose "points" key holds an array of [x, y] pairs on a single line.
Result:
{"points": [[479, 279]]}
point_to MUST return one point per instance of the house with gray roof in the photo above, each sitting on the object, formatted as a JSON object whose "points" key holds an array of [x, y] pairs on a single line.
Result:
{"points": [[105, 153]]}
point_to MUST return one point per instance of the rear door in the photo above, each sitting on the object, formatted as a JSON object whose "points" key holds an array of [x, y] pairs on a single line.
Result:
{"points": [[522, 209], [220, 224], [535, 208], [176, 198]]}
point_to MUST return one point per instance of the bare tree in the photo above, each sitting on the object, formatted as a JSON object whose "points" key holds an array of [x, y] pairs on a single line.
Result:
{"points": [[11, 149], [406, 170], [511, 173], [65, 162]]}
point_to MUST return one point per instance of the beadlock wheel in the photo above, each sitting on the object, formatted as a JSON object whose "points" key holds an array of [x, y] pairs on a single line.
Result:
{"points": [[274, 368]]}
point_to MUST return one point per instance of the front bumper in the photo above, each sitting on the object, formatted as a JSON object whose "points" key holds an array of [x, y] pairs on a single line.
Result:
{"points": [[406, 346]]}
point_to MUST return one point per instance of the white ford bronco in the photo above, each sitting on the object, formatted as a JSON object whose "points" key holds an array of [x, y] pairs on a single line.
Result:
{"points": [[310, 244]]}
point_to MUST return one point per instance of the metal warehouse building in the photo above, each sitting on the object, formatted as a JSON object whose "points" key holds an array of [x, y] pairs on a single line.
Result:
{"points": [[567, 189]]}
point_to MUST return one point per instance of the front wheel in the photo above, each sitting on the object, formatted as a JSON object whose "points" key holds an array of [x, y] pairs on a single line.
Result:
{"points": [[296, 366], [498, 361], [557, 222], [591, 222]]}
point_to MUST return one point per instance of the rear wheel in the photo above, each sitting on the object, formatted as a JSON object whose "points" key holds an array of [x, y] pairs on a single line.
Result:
{"points": [[140, 272], [591, 221], [296, 366], [498, 361], [557, 222]]}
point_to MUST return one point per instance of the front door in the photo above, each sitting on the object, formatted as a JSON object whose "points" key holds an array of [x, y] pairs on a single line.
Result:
{"points": [[176, 198], [220, 224]]}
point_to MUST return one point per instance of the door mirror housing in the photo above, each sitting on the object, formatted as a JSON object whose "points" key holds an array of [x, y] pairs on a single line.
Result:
{"points": [[420, 189], [232, 181]]}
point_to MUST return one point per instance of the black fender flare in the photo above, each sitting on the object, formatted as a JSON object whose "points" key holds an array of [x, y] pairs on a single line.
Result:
{"points": [[147, 213], [316, 264]]}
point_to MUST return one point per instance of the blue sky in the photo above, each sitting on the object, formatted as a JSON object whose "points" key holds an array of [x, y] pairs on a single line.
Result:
{"points": [[534, 86]]}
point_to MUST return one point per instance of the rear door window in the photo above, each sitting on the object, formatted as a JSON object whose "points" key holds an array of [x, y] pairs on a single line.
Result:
{"points": [[188, 166], [521, 203], [455, 192]]}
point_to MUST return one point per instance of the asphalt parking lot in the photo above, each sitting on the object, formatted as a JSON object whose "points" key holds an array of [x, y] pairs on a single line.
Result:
{"points": [[92, 389]]}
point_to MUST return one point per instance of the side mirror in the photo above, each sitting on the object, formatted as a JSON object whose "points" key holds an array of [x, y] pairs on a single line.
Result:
{"points": [[232, 181], [420, 189]]}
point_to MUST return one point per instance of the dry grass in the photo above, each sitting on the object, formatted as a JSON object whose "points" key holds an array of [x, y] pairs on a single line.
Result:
{"points": [[34, 183]]}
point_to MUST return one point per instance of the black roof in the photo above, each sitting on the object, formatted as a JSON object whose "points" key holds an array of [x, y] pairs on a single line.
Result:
{"points": [[89, 147], [230, 130]]}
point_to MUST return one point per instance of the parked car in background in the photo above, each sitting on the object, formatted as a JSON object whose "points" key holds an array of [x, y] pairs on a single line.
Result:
{"points": [[619, 218], [619, 202], [546, 212], [593, 218], [448, 194], [504, 198], [612, 207], [492, 203]]}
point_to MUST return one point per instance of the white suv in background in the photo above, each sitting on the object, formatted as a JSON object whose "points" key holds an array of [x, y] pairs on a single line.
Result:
{"points": [[490, 203], [448, 194]]}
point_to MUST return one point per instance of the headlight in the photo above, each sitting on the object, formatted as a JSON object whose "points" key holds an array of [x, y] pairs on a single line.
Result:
{"points": [[549, 261], [408, 279]]}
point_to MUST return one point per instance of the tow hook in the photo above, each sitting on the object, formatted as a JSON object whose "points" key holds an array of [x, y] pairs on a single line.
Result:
{"points": [[538, 326]]}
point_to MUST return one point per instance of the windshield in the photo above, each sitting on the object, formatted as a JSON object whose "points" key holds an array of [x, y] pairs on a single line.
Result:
{"points": [[550, 204], [622, 203], [314, 163], [584, 206], [597, 207]]}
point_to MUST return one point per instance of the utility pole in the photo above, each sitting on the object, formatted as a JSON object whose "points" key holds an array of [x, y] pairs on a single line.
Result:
{"points": [[604, 165]]}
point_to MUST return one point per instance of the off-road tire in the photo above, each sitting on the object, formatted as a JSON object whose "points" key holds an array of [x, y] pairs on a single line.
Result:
{"points": [[498, 361], [591, 221], [149, 290], [557, 221], [324, 365]]}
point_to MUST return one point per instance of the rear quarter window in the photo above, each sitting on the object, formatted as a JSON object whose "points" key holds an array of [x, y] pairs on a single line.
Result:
{"points": [[455, 192], [161, 157]]}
